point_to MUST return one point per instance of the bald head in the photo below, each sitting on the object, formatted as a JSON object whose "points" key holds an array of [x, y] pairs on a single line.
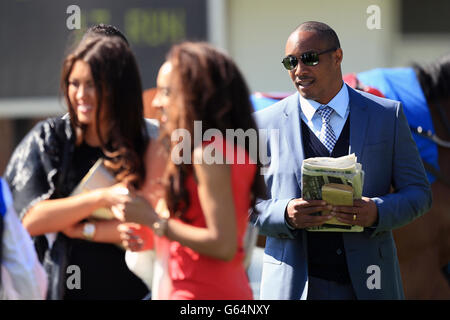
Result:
{"points": [[324, 32], [322, 80]]}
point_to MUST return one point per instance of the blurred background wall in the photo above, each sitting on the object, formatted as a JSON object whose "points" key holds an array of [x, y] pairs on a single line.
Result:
{"points": [[34, 38], [410, 31]]}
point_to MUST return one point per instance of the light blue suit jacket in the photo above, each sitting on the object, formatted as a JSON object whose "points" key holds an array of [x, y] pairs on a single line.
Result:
{"points": [[381, 139]]}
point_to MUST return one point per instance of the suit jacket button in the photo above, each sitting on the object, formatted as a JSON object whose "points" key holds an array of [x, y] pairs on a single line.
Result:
{"points": [[339, 251]]}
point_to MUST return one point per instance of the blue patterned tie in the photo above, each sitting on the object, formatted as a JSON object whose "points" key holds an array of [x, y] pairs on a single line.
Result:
{"points": [[327, 136]]}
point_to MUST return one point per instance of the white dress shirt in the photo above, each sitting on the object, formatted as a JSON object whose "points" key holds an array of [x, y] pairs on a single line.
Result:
{"points": [[338, 118], [340, 105]]}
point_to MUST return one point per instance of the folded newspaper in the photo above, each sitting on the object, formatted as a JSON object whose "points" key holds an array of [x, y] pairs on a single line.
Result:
{"points": [[336, 180]]}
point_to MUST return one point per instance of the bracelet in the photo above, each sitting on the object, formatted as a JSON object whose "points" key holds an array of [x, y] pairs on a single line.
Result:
{"points": [[160, 227]]}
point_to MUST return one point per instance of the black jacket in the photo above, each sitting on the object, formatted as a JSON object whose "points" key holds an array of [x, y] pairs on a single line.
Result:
{"points": [[36, 172]]}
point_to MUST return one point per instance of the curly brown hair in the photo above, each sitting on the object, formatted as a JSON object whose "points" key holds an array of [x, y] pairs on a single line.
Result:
{"points": [[119, 91]]}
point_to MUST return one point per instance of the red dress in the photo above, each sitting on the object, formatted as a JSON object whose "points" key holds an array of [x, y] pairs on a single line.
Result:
{"points": [[199, 277]]}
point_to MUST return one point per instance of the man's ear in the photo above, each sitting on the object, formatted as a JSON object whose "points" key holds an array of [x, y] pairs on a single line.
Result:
{"points": [[338, 56]]}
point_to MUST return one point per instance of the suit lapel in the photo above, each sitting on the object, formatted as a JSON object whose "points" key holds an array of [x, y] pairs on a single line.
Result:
{"points": [[291, 129], [359, 117], [292, 132]]}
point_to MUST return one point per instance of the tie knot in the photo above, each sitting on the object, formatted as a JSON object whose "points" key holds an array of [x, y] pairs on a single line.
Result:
{"points": [[325, 112]]}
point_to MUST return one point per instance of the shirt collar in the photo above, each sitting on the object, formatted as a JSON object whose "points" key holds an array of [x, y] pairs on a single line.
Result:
{"points": [[339, 104]]}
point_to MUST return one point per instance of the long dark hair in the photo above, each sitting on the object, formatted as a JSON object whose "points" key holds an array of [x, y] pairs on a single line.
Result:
{"points": [[119, 93], [206, 86]]}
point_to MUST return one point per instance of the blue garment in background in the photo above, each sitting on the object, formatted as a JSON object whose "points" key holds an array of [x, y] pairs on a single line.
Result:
{"points": [[259, 102], [2, 201], [401, 84]]}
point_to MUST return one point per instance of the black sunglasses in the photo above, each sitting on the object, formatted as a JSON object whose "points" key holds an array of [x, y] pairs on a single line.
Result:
{"points": [[309, 58]]}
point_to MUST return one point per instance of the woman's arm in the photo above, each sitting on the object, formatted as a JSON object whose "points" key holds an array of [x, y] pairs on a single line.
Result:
{"points": [[58, 214], [105, 231], [219, 238]]}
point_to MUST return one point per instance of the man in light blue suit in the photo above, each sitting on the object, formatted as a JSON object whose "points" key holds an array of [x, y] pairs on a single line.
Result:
{"points": [[328, 118]]}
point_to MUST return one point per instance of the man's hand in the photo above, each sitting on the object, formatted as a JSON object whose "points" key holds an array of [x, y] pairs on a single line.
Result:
{"points": [[298, 213], [363, 213]]}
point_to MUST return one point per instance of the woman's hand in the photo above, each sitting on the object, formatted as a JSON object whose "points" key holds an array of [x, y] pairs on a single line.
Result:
{"points": [[136, 237], [114, 195], [136, 209]]}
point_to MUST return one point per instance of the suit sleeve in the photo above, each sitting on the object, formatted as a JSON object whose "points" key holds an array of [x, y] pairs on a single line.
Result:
{"points": [[412, 196], [271, 218]]}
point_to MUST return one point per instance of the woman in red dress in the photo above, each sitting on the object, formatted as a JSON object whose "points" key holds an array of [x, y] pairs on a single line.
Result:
{"points": [[210, 182]]}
